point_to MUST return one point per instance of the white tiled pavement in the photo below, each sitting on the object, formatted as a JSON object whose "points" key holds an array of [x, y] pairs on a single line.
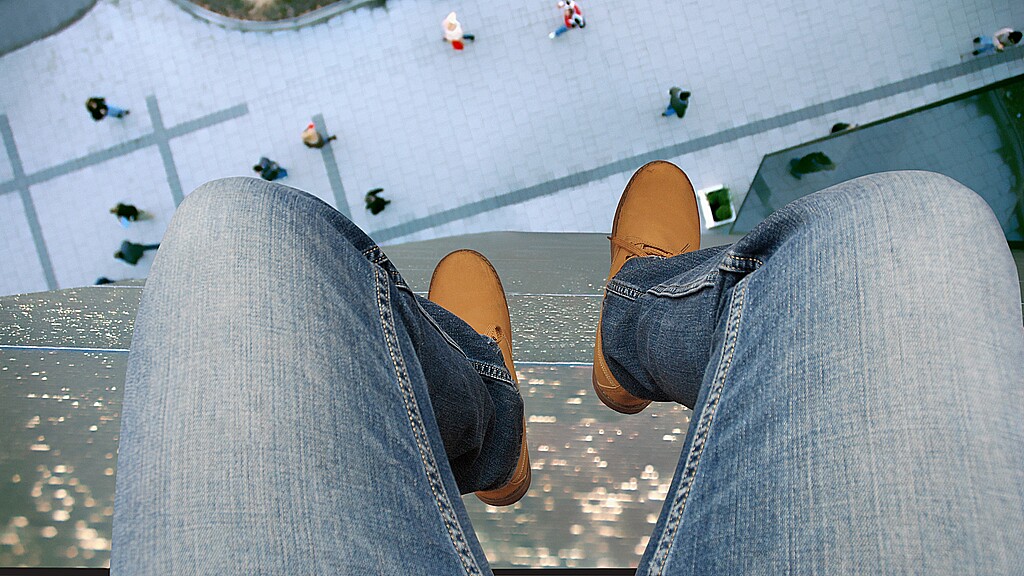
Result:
{"points": [[18, 259], [439, 129], [73, 214]]}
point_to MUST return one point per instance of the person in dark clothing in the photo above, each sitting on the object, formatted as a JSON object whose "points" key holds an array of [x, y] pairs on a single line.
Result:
{"points": [[127, 211], [103, 280], [678, 101], [269, 170], [374, 203], [813, 162], [131, 252], [99, 109]]}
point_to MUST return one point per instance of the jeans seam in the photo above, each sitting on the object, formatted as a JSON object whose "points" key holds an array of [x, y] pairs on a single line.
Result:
{"points": [[678, 291], [494, 372], [624, 290], [701, 432], [374, 254], [430, 319], [738, 263], [434, 480]]}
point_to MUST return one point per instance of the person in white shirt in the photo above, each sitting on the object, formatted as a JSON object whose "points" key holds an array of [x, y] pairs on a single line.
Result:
{"points": [[997, 42], [453, 32]]}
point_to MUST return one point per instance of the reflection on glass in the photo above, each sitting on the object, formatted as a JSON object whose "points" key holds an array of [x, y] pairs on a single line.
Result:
{"points": [[599, 482], [599, 477], [976, 139], [59, 423]]}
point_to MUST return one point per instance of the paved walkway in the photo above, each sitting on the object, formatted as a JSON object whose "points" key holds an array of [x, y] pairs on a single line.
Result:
{"points": [[516, 133]]}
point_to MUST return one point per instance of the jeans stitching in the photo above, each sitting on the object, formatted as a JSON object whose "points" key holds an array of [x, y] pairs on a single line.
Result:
{"points": [[494, 372], [743, 259], [374, 254], [624, 290], [701, 433], [434, 479]]}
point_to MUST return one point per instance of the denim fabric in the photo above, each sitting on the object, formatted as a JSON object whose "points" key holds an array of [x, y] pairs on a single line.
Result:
{"points": [[856, 368], [279, 408], [855, 365], [986, 45]]}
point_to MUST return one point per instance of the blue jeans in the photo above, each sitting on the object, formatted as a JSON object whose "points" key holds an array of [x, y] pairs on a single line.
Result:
{"points": [[670, 111], [986, 45], [855, 365], [279, 408], [115, 111]]}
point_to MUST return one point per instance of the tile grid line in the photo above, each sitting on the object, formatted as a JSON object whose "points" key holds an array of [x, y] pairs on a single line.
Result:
{"points": [[125, 148], [160, 137], [163, 143], [331, 164], [674, 150], [22, 186]]}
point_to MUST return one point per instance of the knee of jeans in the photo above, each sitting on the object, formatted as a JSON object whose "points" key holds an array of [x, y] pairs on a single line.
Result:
{"points": [[245, 231], [915, 209], [254, 208], [230, 200], [255, 205]]}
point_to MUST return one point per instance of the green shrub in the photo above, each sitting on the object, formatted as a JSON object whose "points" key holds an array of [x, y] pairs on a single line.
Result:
{"points": [[721, 209]]}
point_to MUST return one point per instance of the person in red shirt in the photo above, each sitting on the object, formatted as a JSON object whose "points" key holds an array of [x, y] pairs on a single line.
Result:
{"points": [[572, 15]]}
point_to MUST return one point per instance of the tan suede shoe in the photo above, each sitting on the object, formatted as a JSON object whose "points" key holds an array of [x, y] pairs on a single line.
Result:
{"points": [[657, 216], [465, 284]]}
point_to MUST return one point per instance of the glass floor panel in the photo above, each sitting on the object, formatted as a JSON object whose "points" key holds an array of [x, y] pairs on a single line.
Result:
{"points": [[976, 138], [599, 477]]}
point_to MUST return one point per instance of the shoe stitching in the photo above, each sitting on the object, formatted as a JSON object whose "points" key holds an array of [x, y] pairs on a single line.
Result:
{"points": [[642, 249], [602, 364]]}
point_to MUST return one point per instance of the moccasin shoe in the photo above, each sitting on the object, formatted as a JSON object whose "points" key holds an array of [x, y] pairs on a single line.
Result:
{"points": [[657, 216], [465, 284]]}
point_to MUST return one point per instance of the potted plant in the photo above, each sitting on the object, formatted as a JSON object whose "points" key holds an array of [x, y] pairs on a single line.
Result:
{"points": [[716, 205]]}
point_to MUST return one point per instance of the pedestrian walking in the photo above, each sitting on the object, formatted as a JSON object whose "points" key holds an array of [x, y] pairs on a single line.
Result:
{"points": [[572, 17], [269, 170], [128, 213], [313, 139], [131, 252], [678, 102], [453, 33], [997, 42], [374, 203], [99, 109]]}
